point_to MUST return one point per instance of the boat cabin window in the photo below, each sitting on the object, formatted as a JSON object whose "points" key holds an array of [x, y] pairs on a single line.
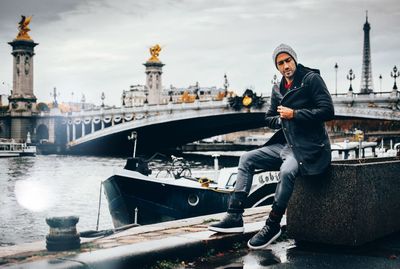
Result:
{"points": [[231, 181]]}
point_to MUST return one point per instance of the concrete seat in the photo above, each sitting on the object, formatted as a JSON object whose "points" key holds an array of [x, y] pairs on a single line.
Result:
{"points": [[355, 202]]}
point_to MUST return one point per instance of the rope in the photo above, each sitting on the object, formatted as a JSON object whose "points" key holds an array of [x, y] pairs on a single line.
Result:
{"points": [[98, 211], [106, 232]]}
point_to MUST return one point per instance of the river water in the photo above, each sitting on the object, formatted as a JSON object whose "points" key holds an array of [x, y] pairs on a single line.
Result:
{"points": [[33, 188]]}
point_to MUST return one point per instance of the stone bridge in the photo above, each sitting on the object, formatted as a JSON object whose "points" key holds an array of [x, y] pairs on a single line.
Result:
{"points": [[160, 126]]}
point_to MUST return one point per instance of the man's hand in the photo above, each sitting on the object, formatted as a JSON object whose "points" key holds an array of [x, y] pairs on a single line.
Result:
{"points": [[285, 112]]}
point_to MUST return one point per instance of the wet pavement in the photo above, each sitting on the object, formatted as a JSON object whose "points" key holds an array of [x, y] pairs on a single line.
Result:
{"points": [[286, 253], [188, 244]]}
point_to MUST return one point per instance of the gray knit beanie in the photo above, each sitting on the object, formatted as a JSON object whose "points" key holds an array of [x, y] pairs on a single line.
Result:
{"points": [[281, 49]]}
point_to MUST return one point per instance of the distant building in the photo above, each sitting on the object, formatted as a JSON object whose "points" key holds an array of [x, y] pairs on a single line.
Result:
{"points": [[4, 100], [191, 93], [135, 96]]}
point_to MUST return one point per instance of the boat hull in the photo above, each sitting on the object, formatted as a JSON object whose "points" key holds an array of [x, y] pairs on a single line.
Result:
{"points": [[159, 201]]}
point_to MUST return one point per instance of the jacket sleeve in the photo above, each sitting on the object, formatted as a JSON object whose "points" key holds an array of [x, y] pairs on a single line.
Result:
{"points": [[272, 118], [323, 106]]}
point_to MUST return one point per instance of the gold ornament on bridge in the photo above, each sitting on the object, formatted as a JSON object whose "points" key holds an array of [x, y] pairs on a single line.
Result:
{"points": [[155, 52], [23, 28], [247, 100]]}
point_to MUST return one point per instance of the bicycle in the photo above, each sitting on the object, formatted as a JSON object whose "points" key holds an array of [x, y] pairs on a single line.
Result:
{"points": [[179, 168]]}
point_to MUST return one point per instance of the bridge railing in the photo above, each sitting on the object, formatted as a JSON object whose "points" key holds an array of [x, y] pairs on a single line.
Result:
{"points": [[148, 108]]}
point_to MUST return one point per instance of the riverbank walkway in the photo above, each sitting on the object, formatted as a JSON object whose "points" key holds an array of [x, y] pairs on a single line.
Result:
{"points": [[188, 239]]}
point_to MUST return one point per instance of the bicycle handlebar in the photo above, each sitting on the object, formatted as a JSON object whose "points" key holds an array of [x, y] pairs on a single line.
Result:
{"points": [[174, 158]]}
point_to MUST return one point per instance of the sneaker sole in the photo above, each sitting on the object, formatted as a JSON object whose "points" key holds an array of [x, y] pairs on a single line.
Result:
{"points": [[266, 244], [227, 230]]}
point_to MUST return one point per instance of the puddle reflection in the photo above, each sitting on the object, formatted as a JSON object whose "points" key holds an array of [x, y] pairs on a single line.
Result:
{"points": [[247, 259]]}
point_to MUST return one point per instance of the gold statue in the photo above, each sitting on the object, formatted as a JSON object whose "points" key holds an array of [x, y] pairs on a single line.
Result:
{"points": [[23, 28], [155, 52]]}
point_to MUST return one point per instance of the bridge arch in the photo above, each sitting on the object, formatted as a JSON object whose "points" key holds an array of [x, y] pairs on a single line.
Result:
{"points": [[155, 135], [42, 132]]}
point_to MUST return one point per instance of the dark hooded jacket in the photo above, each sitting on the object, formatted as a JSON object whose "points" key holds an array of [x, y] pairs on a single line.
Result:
{"points": [[305, 133]]}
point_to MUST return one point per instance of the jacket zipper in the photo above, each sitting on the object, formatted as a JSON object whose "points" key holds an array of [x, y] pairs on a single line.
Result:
{"points": [[295, 89]]}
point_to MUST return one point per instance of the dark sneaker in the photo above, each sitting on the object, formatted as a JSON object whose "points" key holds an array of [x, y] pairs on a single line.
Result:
{"points": [[231, 223], [268, 234]]}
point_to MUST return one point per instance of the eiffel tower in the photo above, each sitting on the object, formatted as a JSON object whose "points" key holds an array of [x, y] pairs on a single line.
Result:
{"points": [[367, 85]]}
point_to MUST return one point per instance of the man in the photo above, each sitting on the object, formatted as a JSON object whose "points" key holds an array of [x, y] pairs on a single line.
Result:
{"points": [[299, 107]]}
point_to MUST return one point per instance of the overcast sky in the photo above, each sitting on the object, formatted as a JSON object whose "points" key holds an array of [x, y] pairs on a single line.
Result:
{"points": [[88, 46]]}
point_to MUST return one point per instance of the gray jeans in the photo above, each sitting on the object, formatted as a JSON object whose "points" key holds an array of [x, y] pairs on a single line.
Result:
{"points": [[272, 157]]}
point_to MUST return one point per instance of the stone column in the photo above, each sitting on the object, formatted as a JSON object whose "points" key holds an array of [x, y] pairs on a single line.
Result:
{"points": [[22, 94], [52, 130], [83, 129], [22, 101], [73, 131], [68, 138], [154, 81]]}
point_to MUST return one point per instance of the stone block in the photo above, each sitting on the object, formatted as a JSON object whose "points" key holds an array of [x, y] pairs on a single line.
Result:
{"points": [[355, 202]]}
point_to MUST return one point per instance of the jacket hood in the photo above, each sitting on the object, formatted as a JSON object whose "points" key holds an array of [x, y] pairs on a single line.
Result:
{"points": [[301, 71]]}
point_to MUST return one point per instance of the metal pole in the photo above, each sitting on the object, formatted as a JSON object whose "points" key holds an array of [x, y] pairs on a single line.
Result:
{"points": [[216, 165], [136, 215], [336, 68], [98, 212], [134, 147], [133, 136]]}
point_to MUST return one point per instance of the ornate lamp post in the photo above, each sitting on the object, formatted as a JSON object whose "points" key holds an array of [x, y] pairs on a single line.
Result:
{"points": [[351, 76], [54, 95], [380, 83], [394, 75], [197, 90], [103, 96], [83, 101], [336, 69], [274, 80], [226, 85], [170, 96], [123, 97]]}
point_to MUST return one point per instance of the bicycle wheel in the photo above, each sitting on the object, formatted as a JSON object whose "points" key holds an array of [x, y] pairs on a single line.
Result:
{"points": [[164, 174], [186, 172]]}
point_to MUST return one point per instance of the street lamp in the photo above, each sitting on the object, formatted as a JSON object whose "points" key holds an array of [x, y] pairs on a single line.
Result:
{"points": [[394, 75], [196, 90], [274, 80], [103, 96], [54, 95], [226, 85], [351, 76], [123, 97], [380, 83], [83, 101], [336, 69]]}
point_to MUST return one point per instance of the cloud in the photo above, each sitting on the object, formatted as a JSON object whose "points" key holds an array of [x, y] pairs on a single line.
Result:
{"points": [[94, 46]]}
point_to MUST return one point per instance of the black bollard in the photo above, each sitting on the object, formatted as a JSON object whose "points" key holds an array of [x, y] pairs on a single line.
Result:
{"points": [[62, 234]]}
